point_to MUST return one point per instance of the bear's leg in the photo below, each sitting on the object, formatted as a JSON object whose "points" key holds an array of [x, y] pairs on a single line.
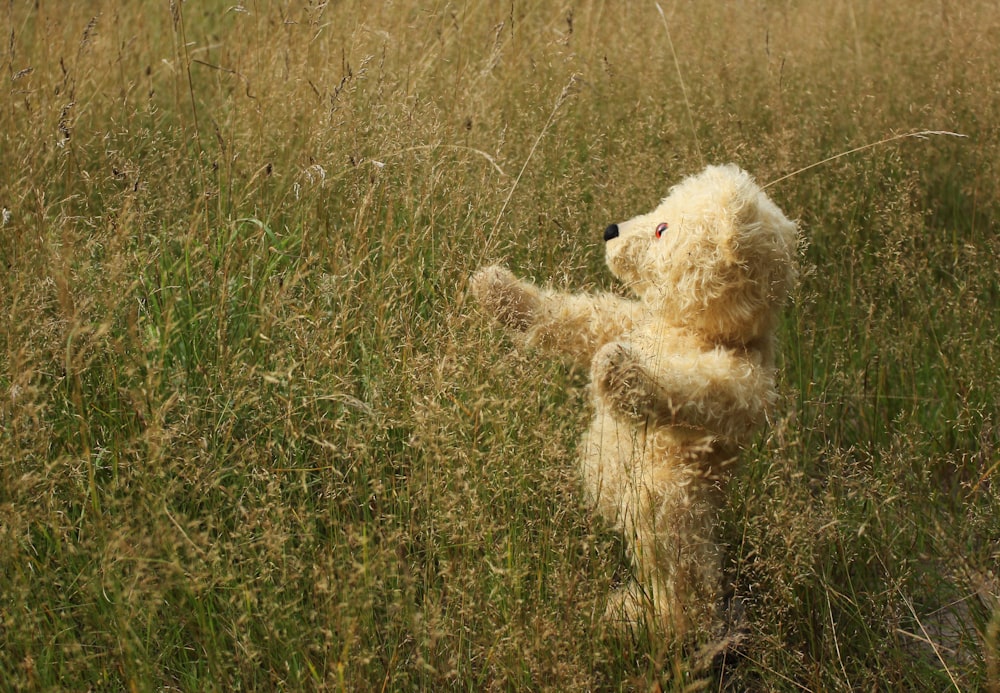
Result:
{"points": [[677, 561]]}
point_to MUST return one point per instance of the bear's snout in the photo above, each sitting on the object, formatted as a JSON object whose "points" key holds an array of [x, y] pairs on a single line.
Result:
{"points": [[611, 232]]}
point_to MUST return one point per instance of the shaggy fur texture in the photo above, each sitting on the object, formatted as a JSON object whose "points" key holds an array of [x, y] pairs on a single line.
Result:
{"points": [[681, 377]]}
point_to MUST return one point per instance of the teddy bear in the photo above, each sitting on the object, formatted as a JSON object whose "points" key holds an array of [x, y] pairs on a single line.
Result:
{"points": [[682, 375]]}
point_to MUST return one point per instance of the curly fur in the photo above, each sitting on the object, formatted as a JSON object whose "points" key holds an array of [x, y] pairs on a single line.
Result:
{"points": [[681, 376]]}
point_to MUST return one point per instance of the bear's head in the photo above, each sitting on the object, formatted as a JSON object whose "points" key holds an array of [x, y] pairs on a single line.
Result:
{"points": [[717, 256]]}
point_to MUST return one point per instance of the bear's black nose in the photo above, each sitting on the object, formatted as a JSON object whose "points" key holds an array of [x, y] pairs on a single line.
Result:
{"points": [[611, 232]]}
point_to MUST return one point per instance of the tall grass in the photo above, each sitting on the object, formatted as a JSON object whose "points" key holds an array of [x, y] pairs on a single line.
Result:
{"points": [[254, 437]]}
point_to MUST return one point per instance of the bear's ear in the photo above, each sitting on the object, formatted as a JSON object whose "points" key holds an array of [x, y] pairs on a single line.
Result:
{"points": [[722, 227], [728, 242], [742, 218]]}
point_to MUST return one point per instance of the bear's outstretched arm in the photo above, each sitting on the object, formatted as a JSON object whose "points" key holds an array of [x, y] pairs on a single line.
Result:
{"points": [[571, 325], [715, 391]]}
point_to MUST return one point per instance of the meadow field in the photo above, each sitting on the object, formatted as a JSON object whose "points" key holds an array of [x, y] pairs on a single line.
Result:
{"points": [[254, 436]]}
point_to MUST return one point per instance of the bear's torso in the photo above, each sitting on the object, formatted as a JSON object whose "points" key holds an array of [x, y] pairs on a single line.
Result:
{"points": [[627, 462]]}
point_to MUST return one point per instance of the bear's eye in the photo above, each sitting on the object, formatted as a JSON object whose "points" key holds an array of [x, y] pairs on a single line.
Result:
{"points": [[661, 228]]}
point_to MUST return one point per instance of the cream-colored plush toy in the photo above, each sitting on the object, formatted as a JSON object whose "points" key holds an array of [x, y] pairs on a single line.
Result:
{"points": [[681, 376]]}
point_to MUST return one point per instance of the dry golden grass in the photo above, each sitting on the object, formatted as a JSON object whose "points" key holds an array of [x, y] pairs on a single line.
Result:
{"points": [[253, 437]]}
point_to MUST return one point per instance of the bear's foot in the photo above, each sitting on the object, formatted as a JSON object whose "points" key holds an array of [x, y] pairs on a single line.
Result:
{"points": [[630, 607], [634, 607]]}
